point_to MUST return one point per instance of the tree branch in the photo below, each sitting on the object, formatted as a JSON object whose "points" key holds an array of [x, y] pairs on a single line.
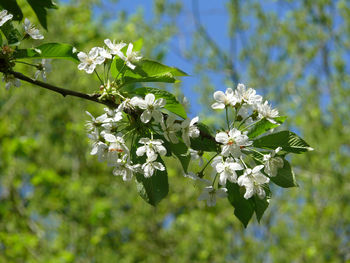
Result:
{"points": [[67, 92], [63, 92]]}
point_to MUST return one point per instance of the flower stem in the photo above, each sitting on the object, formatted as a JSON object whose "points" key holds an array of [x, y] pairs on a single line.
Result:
{"points": [[29, 64], [98, 76], [243, 121], [214, 179], [250, 125], [201, 172], [227, 121], [256, 151], [121, 70]]}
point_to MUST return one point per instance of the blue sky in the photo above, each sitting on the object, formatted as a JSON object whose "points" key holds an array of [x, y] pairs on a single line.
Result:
{"points": [[214, 18], [213, 14]]}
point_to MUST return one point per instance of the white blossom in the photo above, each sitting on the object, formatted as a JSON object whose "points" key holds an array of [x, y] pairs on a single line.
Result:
{"points": [[31, 30], [150, 166], [195, 156], [265, 111], [131, 56], [113, 47], [112, 117], [95, 122], [248, 96], [104, 53], [189, 130], [226, 169], [117, 143], [210, 194], [43, 68], [116, 148], [126, 104], [232, 142], [125, 169], [90, 61], [4, 17], [11, 81], [100, 149], [170, 128], [196, 178], [151, 107], [151, 147], [224, 99], [272, 163], [253, 181]]}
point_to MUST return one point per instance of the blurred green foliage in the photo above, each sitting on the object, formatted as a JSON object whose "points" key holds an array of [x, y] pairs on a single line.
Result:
{"points": [[58, 204]]}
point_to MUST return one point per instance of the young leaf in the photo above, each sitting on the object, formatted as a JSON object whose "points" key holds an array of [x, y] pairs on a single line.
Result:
{"points": [[244, 209], [285, 176], [48, 50], [289, 141], [205, 141], [172, 103], [264, 125], [39, 7]]}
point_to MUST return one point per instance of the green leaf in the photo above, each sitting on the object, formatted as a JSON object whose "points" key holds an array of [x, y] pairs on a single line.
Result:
{"points": [[12, 7], [262, 204], [154, 68], [264, 125], [116, 66], [289, 141], [180, 150], [132, 78], [12, 35], [48, 50], [244, 209], [172, 103], [285, 176], [145, 71], [39, 7], [205, 142], [154, 188]]}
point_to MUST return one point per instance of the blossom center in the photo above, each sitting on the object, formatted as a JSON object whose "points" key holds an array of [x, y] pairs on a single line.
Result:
{"points": [[231, 141]]}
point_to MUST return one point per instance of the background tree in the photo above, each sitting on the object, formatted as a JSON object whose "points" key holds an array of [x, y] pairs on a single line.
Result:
{"points": [[59, 205]]}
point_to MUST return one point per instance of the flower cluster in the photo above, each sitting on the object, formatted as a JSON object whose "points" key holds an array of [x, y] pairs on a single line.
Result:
{"points": [[109, 141], [111, 132], [248, 104], [29, 31], [234, 162], [98, 55]]}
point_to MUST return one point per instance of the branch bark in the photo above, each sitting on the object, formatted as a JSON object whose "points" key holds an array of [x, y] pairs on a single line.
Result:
{"points": [[63, 92]]}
